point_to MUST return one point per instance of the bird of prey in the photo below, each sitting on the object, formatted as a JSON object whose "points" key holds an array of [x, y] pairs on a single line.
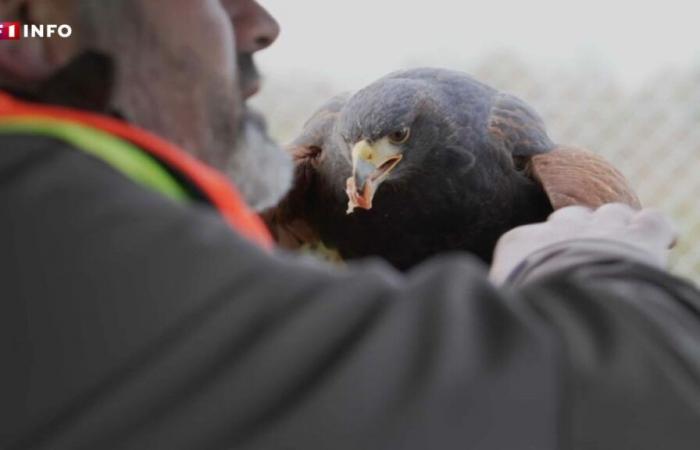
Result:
{"points": [[427, 161]]}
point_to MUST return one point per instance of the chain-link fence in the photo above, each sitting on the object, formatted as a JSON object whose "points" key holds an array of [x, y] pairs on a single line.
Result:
{"points": [[651, 133]]}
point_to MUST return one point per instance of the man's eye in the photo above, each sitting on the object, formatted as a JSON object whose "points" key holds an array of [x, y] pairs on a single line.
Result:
{"points": [[399, 136]]}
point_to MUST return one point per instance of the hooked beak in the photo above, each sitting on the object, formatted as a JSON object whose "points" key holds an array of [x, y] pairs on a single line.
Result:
{"points": [[371, 164]]}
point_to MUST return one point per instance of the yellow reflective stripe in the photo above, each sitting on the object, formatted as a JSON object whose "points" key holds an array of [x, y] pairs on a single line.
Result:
{"points": [[118, 153]]}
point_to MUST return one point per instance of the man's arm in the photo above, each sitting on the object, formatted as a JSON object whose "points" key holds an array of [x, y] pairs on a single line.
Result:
{"points": [[630, 336], [132, 322]]}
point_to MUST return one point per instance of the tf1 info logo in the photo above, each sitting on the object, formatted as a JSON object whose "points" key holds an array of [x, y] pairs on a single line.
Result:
{"points": [[16, 30]]}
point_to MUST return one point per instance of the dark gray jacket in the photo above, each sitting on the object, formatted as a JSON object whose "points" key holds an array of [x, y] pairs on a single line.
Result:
{"points": [[131, 322]]}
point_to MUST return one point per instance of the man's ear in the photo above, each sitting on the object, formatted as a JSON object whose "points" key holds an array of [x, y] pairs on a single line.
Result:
{"points": [[25, 60]]}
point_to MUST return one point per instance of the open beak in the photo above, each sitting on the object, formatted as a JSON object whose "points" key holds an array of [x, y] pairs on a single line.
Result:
{"points": [[371, 164]]}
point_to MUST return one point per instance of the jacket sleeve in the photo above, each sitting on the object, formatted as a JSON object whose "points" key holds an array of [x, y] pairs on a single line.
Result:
{"points": [[630, 335], [131, 322]]}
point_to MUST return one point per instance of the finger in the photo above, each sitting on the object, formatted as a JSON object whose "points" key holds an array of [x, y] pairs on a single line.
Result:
{"points": [[654, 223], [613, 214], [571, 213]]}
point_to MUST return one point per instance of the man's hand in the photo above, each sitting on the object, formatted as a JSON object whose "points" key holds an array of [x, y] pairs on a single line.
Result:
{"points": [[648, 231]]}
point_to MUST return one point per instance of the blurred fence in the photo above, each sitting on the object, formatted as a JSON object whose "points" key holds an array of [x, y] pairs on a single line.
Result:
{"points": [[651, 133]]}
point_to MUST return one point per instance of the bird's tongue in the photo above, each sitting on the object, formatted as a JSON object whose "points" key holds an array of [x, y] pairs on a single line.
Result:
{"points": [[356, 199]]}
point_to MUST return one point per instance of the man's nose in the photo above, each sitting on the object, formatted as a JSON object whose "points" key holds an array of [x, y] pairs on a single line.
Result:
{"points": [[254, 26]]}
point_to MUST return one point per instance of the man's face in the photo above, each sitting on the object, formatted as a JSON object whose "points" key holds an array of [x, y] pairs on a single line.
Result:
{"points": [[185, 70]]}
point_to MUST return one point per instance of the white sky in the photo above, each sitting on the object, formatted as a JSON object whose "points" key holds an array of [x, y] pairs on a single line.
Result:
{"points": [[355, 41]]}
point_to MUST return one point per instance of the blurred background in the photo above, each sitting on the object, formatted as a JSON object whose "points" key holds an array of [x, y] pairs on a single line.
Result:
{"points": [[620, 77]]}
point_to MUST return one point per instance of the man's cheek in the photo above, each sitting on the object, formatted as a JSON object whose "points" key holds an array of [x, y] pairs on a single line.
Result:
{"points": [[219, 41], [201, 26]]}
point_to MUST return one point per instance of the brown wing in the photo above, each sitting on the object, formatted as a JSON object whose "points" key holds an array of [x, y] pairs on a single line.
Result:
{"points": [[574, 176], [568, 175], [288, 221]]}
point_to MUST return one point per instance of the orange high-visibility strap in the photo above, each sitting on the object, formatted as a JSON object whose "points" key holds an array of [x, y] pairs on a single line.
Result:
{"points": [[215, 187]]}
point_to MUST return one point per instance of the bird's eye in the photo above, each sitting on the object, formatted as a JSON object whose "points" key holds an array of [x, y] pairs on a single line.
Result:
{"points": [[399, 136]]}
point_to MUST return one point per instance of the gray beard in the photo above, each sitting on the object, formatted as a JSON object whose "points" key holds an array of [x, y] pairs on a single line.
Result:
{"points": [[261, 170]]}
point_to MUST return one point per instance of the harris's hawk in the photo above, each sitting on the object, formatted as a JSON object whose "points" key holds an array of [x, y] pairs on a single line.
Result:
{"points": [[427, 161]]}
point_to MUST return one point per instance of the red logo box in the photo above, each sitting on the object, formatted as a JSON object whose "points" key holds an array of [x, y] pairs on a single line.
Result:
{"points": [[10, 31]]}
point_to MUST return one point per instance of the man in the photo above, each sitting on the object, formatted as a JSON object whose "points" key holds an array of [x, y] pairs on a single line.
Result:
{"points": [[140, 309]]}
